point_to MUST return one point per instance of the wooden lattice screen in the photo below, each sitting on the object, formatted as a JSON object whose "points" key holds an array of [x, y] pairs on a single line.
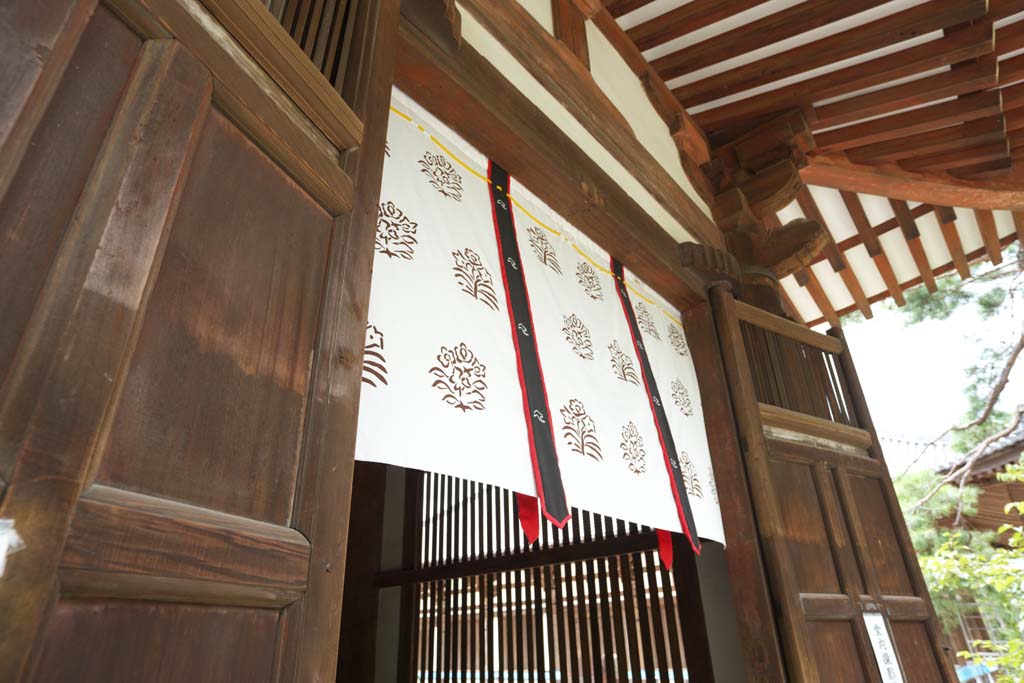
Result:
{"points": [[590, 602]]}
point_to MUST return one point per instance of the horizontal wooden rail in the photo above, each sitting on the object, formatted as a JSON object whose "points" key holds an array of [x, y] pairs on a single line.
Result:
{"points": [[135, 546], [773, 416], [787, 328], [593, 550]]}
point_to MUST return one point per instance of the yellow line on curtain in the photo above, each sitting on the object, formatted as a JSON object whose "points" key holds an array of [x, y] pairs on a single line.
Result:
{"points": [[535, 219]]}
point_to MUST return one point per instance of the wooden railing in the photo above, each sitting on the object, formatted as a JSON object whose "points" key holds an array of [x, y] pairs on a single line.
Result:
{"points": [[795, 368]]}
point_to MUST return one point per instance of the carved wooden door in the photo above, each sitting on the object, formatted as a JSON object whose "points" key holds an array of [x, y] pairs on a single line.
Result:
{"points": [[844, 578], [183, 273]]}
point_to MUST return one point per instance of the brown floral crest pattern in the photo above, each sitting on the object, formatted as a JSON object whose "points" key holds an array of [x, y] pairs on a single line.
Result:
{"points": [[622, 364], [578, 336], [645, 321], [691, 482], [579, 430], [633, 452], [589, 281], [678, 339], [711, 485], [681, 397], [460, 377], [375, 365], [396, 233], [442, 175], [473, 277], [543, 250]]}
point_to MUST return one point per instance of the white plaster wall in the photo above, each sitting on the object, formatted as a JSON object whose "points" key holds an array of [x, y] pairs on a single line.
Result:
{"points": [[491, 49], [627, 93]]}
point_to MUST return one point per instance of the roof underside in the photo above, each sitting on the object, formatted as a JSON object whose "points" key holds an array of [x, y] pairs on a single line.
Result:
{"points": [[933, 86]]}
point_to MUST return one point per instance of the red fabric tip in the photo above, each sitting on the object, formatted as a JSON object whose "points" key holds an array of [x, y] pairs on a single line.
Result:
{"points": [[665, 548], [529, 517]]}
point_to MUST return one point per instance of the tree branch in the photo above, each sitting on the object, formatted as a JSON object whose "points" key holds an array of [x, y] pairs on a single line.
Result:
{"points": [[965, 467]]}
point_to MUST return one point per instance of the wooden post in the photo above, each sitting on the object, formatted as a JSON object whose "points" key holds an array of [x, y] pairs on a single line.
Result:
{"points": [[762, 657], [745, 406]]}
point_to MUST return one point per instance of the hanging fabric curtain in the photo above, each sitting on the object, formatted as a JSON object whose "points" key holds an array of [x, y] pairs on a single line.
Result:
{"points": [[505, 347]]}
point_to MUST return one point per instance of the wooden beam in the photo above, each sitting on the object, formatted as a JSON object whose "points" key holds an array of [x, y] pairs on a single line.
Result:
{"points": [[551, 63], [768, 30], [959, 45], [472, 96], [1001, 9], [689, 138], [945, 139], [686, 19], [835, 171], [918, 20], [808, 280], [918, 120], [1014, 120], [989, 235], [1009, 38], [913, 237], [958, 158], [571, 28], [588, 8], [971, 78], [947, 223]]}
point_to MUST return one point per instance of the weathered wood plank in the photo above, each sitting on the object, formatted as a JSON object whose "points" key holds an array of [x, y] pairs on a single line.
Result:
{"points": [[814, 426], [70, 366], [787, 328], [133, 546]]}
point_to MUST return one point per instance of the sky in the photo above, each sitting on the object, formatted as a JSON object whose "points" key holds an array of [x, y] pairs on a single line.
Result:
{"points": [[914, 375]]}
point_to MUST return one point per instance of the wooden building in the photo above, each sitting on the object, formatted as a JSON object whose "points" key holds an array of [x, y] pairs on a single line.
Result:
{"points": [[188, 205]]}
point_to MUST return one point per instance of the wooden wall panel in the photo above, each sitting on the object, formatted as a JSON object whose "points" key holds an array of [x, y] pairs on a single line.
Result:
{"points": [[913, 643], [43, 192], [883, 552], [87, 640], [218, 381], [803, 527], [829, 642]]}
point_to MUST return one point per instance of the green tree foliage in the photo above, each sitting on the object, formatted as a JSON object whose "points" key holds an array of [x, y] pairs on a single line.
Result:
{"points": [[960, 565]]}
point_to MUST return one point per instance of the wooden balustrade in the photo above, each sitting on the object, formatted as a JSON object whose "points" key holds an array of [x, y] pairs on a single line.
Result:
{"points": [[795, 368]]}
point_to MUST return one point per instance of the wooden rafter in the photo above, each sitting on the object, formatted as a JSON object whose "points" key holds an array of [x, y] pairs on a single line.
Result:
{"points": [[956, 46], [974, 77], [908, 226], [941, 270], [959, 158], [773, 28], [954, 137], [808, 280], [923, 119], [872, 244], [989, 236], [890, 30], [682, 20], [947, 224]]}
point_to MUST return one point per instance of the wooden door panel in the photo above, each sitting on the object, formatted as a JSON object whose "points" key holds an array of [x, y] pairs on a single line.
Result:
{"points": [[915, 647], [218, 381], [830, 642], [46, 187], [803, 526], [97, 641], [882, 550]]}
